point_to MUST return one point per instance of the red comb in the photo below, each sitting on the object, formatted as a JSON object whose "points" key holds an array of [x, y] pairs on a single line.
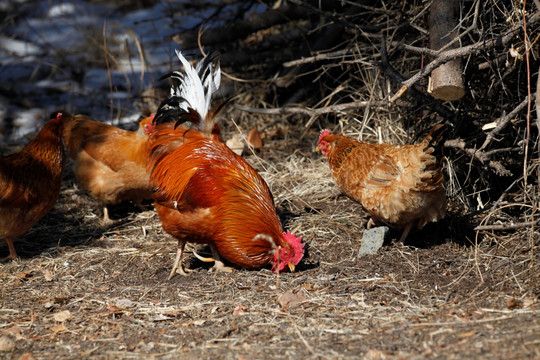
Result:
{"points": [[323, 134], [59, 116]]}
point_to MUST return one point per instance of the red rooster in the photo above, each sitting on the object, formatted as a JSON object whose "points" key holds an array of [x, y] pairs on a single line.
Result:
{"points": [[207, 194], [30, 182]]}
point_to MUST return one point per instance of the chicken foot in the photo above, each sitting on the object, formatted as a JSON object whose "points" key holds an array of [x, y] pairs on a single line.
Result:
{"points": [[12, 252], [219, 266], [177, 261], [371, 223]]}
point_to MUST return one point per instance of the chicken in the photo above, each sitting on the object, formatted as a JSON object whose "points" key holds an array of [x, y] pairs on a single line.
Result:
{"points": [[398, 185], [110, 163], [207, 194], [30, 182]]}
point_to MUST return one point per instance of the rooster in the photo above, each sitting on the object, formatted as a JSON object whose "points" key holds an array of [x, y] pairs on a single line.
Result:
{"points": [[398, 185], [205, 193], [30, 182], [110, 163]]}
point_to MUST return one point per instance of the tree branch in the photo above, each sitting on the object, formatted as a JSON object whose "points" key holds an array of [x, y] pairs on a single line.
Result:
{"points": [[445, 56]]}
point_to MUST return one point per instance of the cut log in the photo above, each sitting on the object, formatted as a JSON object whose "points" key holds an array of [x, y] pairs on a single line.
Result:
{"points": [[446, 81]]}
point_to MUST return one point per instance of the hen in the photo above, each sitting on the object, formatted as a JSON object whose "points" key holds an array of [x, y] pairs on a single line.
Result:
{"points": [[110, 163], [207, 194], [30, 182], [398, 185]]}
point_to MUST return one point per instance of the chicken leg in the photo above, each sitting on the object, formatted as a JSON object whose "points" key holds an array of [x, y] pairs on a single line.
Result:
{"points": [[178, 261], [106, 219], [219, 266], [12, 252], [405, 232]]}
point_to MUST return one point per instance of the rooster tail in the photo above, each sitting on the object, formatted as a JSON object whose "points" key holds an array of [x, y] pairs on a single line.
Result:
{"points": [[191, 93]]}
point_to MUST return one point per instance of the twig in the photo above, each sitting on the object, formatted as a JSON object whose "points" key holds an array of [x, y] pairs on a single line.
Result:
{"points": [[318, 57], [528, 127], [419, 96], [108, 66], [445, 56], [501, 123], [313, 112], [482, 156], [511, 226], [537, 101]]}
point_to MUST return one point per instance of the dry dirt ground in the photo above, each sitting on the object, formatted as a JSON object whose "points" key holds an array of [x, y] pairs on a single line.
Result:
{"points": [[83, 290]]}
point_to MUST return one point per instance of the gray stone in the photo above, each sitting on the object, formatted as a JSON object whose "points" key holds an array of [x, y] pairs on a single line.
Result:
{"points": [[373, 240]]}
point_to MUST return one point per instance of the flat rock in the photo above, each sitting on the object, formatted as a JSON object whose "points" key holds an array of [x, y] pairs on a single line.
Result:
{"points": [[373, 240]]}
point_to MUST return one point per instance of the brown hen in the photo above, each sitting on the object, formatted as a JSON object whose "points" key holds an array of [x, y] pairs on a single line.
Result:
{"points": [[398, 185], [110, 163], [30, 182]]}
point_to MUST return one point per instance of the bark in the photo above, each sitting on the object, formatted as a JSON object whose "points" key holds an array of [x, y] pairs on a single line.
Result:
{"points": [[446, 82]]}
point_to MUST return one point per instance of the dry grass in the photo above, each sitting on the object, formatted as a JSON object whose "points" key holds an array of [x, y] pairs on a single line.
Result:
{"points": [[82, 290]]}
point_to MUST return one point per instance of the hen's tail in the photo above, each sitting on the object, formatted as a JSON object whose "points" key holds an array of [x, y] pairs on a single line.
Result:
{"points": [[435, 140], [191, 94]]}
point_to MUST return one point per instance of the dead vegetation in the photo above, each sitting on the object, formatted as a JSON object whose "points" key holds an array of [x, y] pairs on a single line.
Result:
{"points": [[466, 287]]}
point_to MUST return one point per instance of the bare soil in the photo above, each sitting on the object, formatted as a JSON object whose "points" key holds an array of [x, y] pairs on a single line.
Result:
{"points": [[84, 290]]}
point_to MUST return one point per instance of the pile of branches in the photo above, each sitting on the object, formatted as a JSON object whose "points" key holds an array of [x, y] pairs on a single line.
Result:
{"points": [[365, 68]]}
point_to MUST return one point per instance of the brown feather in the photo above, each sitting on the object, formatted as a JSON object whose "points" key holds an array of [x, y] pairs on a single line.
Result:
{"points": [[30, 181], [110, 163], [397, 185]]}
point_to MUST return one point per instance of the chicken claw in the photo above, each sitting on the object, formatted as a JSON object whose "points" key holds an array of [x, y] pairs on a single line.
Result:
{"points": [[219, 266], [177, 266], [12, 253]]}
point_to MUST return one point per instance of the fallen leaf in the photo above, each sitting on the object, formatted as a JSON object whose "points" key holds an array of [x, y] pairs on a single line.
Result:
{"points": [[23, 275], [6, 344], [513, 304], [57, 329], [61, 299], [235, 144], [254, 139], [62, 316], [374, 355], [289, 299], [239, 309], [27, 356], [47, 274], [12, 330]]}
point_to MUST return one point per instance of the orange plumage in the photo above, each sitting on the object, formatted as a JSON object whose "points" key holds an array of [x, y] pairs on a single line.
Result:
{"points": [[110, 163], [30, 182], [401, 186], [207, 194]]}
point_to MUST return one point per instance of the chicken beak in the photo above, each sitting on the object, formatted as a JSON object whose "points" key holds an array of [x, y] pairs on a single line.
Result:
{"points": [[291, 266], [317, 149]]}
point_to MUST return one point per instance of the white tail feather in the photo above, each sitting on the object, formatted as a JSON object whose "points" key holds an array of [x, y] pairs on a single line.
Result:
{"points": [[196, 85]]}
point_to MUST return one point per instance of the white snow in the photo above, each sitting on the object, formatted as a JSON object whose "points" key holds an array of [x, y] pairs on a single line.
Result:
{"points": [[53, 57]]}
